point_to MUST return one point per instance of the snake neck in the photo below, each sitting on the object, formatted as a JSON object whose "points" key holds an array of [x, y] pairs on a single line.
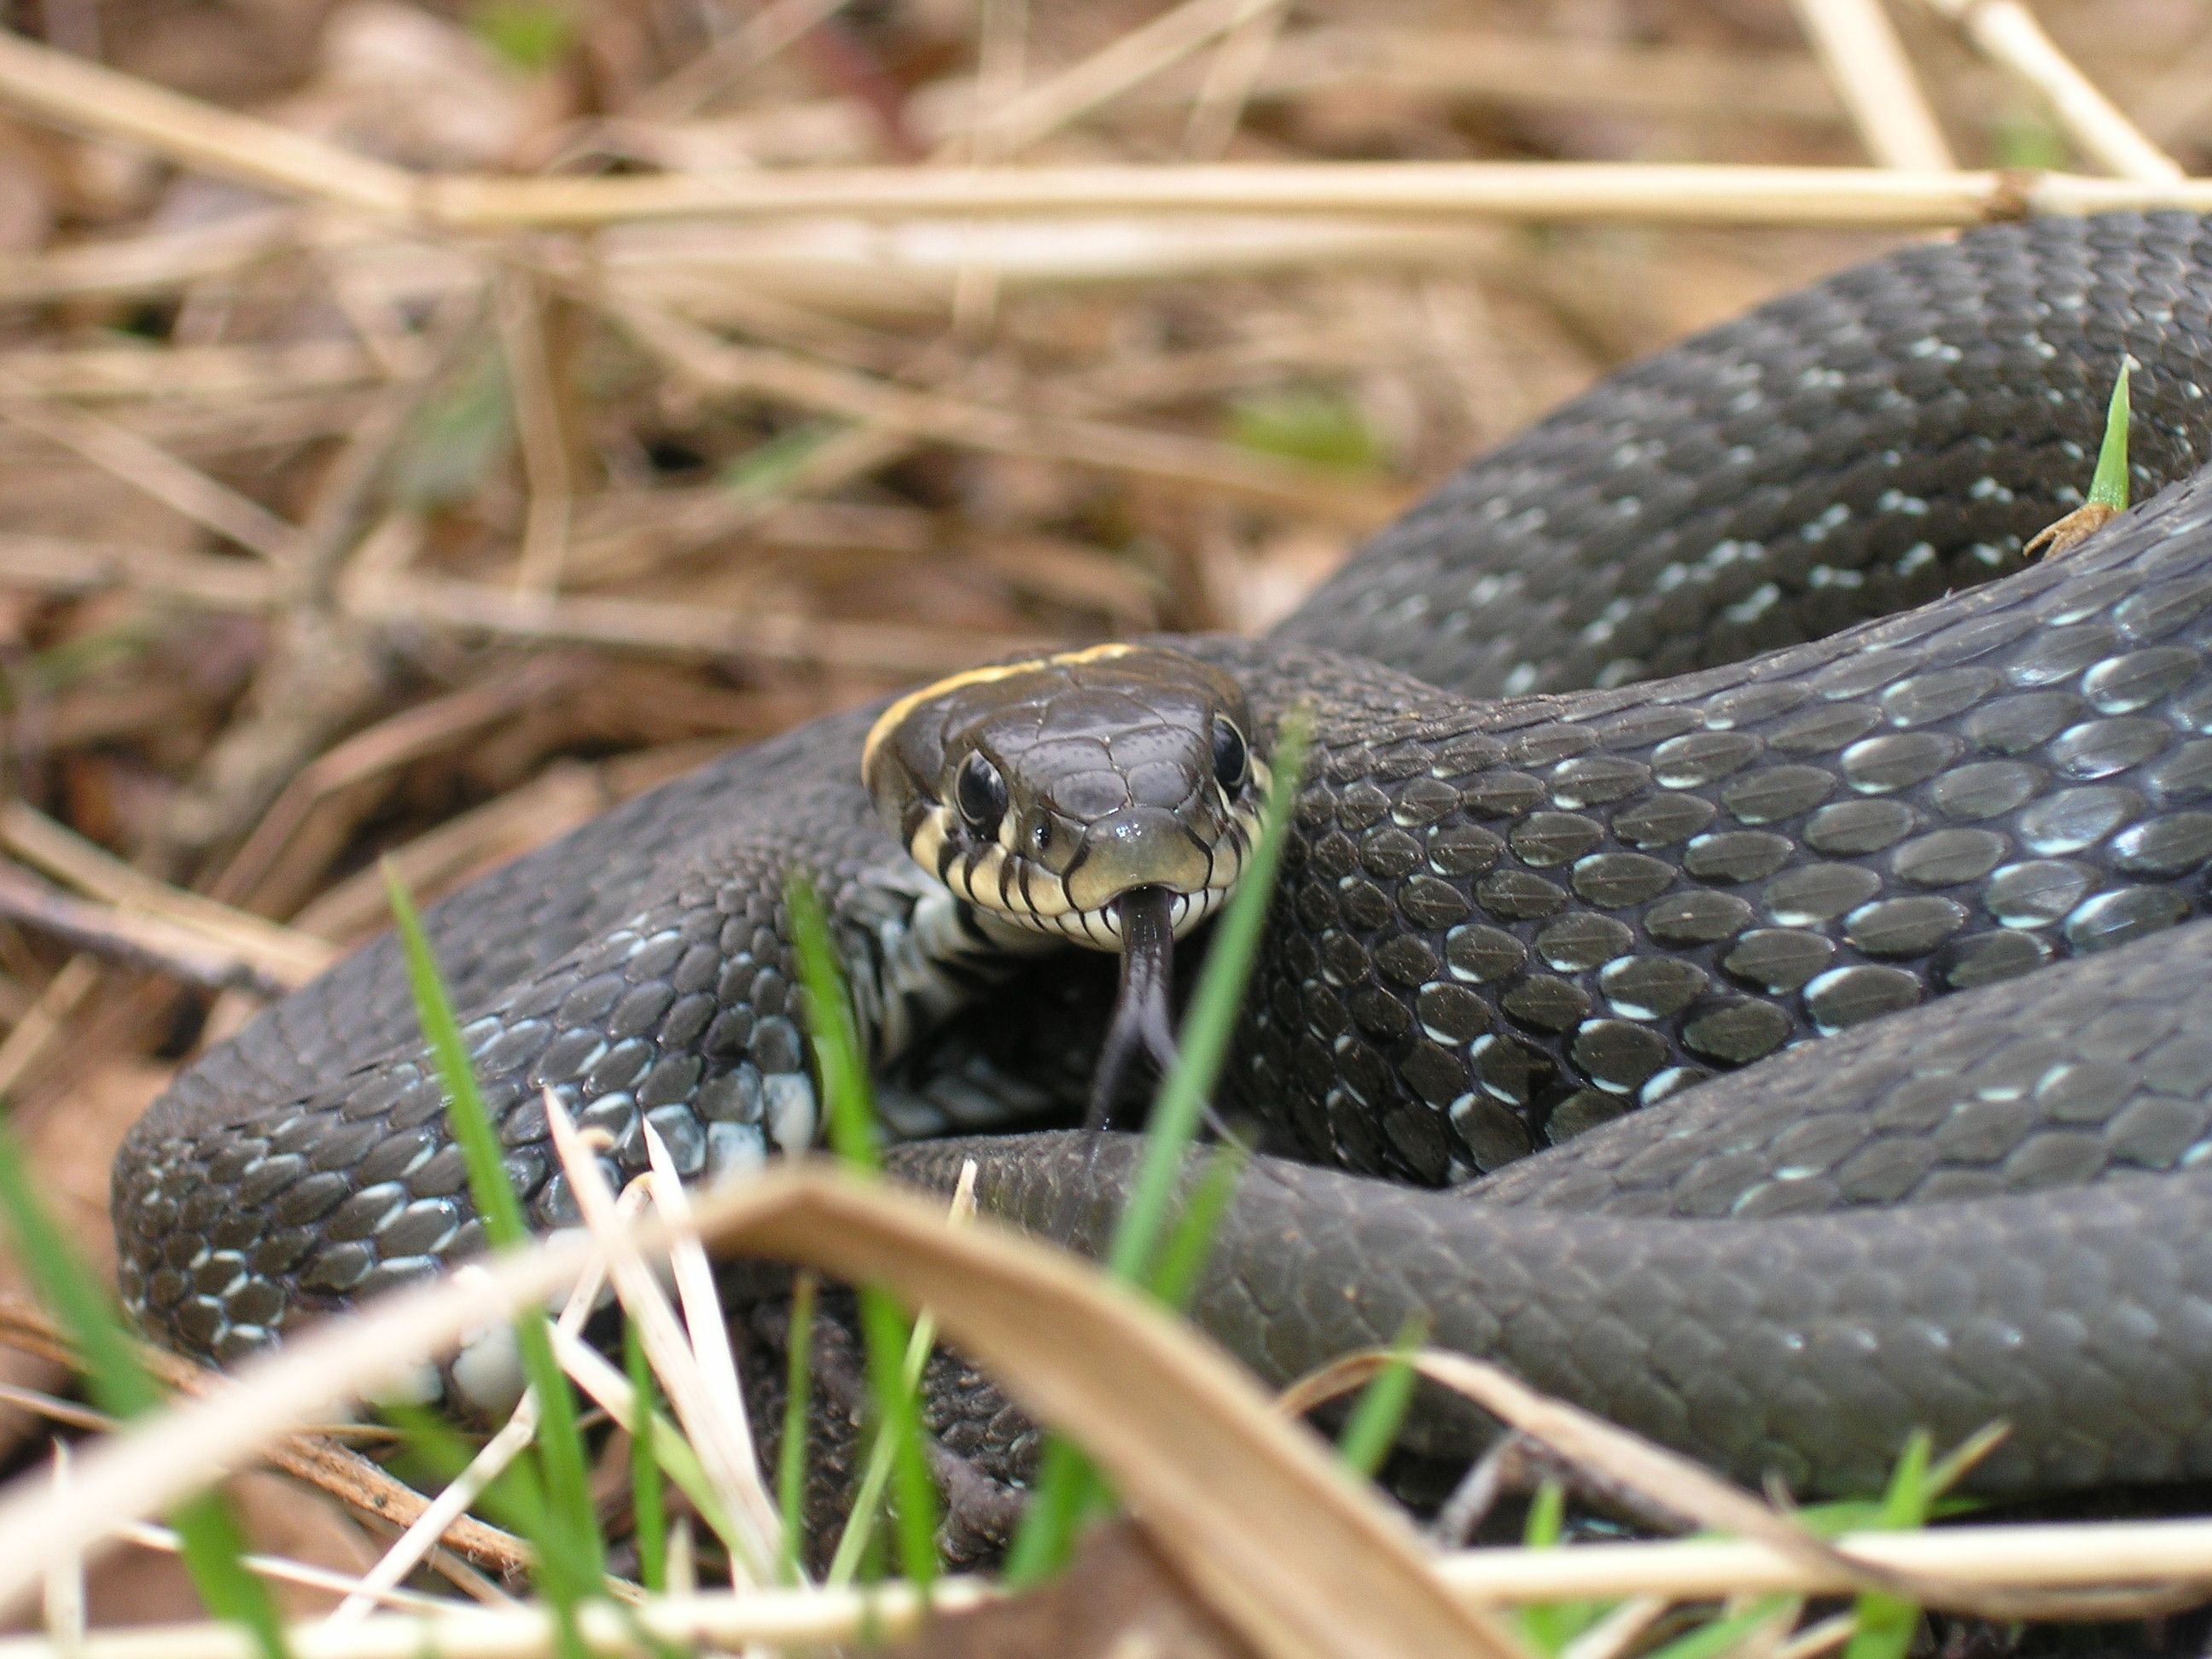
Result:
{"points": [[915, 953]]}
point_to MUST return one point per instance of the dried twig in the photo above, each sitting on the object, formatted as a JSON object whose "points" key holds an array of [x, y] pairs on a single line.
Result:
{"points": [[1876, 80], [2009, 33]]}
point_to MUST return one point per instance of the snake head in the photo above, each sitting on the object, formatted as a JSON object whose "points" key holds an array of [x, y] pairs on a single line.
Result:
{"points": [[1044, 792]]}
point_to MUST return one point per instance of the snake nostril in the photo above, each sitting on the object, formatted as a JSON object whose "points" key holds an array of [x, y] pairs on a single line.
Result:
{"points": [[1041, 834]]}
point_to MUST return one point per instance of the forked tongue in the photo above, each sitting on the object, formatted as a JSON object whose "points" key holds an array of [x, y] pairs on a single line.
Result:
{"points": [[1143, 1018]]}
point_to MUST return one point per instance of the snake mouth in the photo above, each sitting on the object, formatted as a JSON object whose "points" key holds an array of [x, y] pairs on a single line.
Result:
{"points": [[1083, 902]]}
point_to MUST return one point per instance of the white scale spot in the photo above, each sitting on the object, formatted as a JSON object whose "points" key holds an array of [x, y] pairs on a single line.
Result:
{"points": [[1827, 575], [1755, 604], [1988, 489], [1929, 346], [1521, 680], [1487, 590], [1822, 379], [1918, 557], [1819, 528], [1896, 500]]}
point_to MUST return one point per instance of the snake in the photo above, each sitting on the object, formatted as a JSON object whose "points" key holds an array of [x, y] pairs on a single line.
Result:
{"points": [[1738, 959]]}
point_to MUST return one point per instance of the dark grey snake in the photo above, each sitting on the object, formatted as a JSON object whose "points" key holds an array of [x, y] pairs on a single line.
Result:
{"points": [[1513, 909]]}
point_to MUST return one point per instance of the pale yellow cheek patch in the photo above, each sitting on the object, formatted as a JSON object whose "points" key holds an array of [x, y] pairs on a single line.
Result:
{"points": [[894, 716]]}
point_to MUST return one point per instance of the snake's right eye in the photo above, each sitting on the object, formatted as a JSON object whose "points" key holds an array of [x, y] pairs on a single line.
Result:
{"points": [[980, 794]]}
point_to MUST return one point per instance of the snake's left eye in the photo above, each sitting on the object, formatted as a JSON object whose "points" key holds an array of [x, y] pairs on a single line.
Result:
{"points": [[980, 794], [1232, 761]]}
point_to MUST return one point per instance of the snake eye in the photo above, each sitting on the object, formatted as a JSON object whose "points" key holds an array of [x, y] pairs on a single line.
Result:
{"points": [[980, 794], [1231, 761]]}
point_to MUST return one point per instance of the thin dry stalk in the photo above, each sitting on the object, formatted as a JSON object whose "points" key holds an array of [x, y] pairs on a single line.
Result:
{"points": [[28, 1040], [1129, 60], [1561, 192], [2008, 34], [1875, 79], [1230, 78], [145, 942], [286, 1570], [283, 955], [765, 35], [61, 1604], [130, 460], [86, 98], [547, 461], [706, 1326], [705, 360], [722, 1438]]}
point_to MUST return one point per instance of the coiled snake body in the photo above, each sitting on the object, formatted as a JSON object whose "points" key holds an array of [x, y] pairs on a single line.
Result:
{"points": [[1513, 910]]}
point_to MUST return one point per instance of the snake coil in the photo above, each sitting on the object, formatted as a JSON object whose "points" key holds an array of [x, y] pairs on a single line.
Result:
{"points": [[1620, 797]]}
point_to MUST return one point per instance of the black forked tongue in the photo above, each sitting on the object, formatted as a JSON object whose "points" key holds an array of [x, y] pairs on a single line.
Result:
{"points": [[1143, 1015]]}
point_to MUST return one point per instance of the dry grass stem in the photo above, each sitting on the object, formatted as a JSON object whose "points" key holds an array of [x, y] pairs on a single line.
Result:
{"points": [[459, 1494], [707, 1332], [722, 1619], [130, 460], [286, 1570], [1558, 192], [1130, 59], [1875, 79], [2009, 32], [86, 98], [283, 955], [722, 1437], [1620, 1461], [694, 355]]}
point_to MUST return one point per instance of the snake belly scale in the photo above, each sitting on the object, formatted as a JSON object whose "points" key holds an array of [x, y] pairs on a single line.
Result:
{"points": [[1608, 821]]}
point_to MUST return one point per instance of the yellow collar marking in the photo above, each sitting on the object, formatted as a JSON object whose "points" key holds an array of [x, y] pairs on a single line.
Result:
{"points": [[898, 711]]}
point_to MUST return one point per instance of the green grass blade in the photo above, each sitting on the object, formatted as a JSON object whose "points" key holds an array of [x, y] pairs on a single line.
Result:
{"points": [[648, 1504], [2109, 485], [1884, 1624], [1549, 1626], [1068, 1488], [207, 1535], [1183, 1256], [1203, 1044], [1372, 1428], [572, 1558], [848, 1108], [791, 1454], [1710, 1640]]}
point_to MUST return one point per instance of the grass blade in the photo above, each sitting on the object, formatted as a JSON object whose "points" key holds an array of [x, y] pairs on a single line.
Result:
{"points": [[1885, 1623], [207, 1533], [848, 1108], [648, 1497], [791, 1454], [1203, 1044], [1372, 1427], [2108, 486], [1068, 1489], [572, 1563]]}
